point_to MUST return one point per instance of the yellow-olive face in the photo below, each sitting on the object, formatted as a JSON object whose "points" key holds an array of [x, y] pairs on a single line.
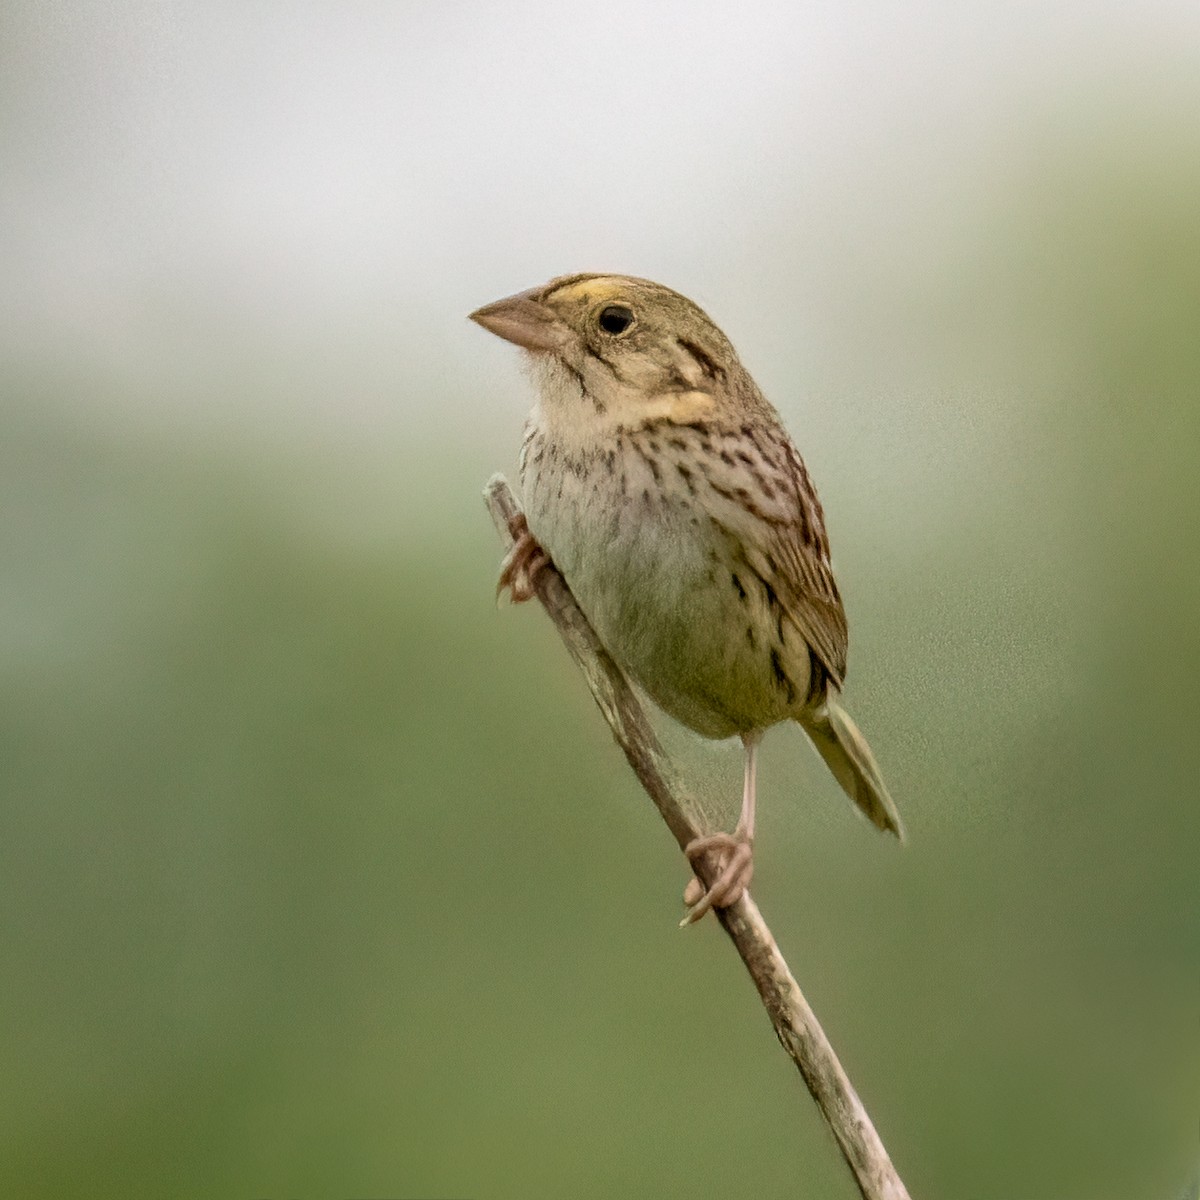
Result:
{"points": [[645, 336]]}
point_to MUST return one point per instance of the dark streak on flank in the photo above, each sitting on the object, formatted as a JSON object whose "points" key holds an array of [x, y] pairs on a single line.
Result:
{"points": [[781, 676], [818, 678], [769, 591], [687, 478], [737, 583], [773, 604]]}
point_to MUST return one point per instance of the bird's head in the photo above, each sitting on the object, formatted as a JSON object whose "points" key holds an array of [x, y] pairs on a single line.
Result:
{"points": [[632, 347]]}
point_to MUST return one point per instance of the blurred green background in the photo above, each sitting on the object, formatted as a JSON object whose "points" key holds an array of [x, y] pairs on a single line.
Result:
{"points": [[319, 874]]}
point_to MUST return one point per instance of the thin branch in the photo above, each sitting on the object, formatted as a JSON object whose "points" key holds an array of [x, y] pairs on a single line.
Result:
{"points": [[795, 1025]]}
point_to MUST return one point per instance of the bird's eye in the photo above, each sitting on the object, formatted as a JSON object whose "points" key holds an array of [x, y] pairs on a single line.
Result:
{"points": [[616, 319]]}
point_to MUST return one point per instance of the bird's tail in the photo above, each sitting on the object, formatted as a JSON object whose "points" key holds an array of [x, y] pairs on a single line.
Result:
{"points": [[848, 756]]}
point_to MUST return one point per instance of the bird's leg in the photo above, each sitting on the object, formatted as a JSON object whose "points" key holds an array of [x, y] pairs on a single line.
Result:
{"points": [[735, 851], [522, 563]]}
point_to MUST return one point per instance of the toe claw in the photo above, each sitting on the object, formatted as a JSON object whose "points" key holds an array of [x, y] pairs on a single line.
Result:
{"points": [[697, 911], [736, 868], [521, 564]]}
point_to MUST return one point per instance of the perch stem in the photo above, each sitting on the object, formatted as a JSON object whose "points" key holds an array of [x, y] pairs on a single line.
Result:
{"points": [[795, 1025]]}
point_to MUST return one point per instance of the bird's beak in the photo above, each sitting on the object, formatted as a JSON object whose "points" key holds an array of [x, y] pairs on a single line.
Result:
{"points": [[525, 321]]}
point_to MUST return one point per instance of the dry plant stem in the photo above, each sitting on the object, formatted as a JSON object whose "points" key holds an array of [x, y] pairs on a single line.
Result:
{"points": [[795, 1025]]}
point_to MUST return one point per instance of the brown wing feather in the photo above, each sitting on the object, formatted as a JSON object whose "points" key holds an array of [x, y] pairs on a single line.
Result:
{"points": [[810, 592], [763, 499]]}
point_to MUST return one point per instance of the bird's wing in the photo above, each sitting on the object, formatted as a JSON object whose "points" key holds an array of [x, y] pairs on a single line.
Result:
{"points": [[783, 541], [758, 493]]}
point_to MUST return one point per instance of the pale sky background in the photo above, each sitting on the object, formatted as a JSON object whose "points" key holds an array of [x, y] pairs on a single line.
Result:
{"points": [[265, 224], [262, 227], [324, 191]]}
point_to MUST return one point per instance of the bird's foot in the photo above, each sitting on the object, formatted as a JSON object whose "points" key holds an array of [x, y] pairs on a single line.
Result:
{"points": [[522, 563], [735, 858]]}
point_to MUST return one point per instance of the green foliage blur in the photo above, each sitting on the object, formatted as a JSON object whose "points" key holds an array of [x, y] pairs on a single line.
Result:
{"points": [[321, 876]]}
